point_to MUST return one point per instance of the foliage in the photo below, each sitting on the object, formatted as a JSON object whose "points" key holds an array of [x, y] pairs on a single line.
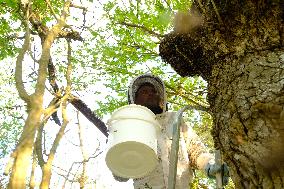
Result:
{"points": [[8, 29], [12, 113], [117, 47], [128, 46]]}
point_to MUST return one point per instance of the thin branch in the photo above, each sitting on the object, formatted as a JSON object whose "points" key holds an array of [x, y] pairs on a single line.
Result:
{"points": [[32, 177], [184, 92], [201, 7], [61, 169], [61, 130], [78, 162], [186, 96], [84, 14], [64, 104], [217, 13], [195, 107], [83, 177], [168, 5], [78, 7], [48, 165], [69, 67], [16, 107], [52, 107], [71, 142], [143, 28], [19, 63], [66, 179], [51, 9], [190, 101], [138, 46], [33, 58], [38, 146]]}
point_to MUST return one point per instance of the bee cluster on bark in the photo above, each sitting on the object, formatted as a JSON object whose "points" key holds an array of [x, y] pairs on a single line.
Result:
{"points": [[186, 56], [205, 35]]}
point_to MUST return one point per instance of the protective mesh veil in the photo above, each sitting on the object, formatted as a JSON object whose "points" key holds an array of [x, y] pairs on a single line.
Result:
{"points": [[147, 78]]}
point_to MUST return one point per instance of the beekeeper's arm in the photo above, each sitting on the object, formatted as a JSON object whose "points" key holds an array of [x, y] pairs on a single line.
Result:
{"points": [[199, 157]]}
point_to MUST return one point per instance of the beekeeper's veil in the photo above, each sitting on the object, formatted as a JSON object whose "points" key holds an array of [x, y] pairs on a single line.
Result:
{"points": [[148, 78]]}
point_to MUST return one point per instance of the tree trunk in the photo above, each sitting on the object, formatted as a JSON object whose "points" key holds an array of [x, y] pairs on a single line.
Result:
{"points": [[238, 50], [46, 176], [247, 100], [25, 147]]}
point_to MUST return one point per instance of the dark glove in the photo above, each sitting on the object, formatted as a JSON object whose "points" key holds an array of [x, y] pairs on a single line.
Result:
{"points": [[212, 169], [120, 179]]}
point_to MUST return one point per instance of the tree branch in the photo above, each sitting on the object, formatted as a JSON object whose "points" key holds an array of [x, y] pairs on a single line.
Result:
{"points": [[51, 9], [52, 107], [69, 68], [19, 64], [87, 112], [60, 132], [185, 96], [43, 30], [75, 101], [201, 7], [143, 28], [64, 104], [32, 177], [217, 13], [168, 5], [83, 177], [79, 162], [78, 7], [48, 164]]}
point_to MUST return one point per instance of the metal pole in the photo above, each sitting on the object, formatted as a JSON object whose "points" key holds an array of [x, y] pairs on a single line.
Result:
{"points": [[175, 148], [218, 162]]}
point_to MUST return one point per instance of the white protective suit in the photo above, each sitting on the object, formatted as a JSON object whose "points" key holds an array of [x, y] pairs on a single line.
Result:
{"points": [[192, 153]]}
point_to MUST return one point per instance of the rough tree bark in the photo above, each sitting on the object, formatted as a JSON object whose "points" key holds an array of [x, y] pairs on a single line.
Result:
{"points": [[237, 47]]}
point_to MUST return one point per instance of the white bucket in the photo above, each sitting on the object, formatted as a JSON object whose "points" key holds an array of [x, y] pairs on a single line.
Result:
{"points": [[133, 141]]}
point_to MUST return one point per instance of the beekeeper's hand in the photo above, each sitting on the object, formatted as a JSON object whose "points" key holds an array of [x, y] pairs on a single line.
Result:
{"points": [[212, 169]]}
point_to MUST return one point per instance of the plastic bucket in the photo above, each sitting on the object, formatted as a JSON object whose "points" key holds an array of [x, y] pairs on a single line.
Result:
{"points": [[132, 141]]}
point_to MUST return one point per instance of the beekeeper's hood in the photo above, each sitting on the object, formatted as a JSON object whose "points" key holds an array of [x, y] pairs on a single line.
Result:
{"points": [[155, 81]]}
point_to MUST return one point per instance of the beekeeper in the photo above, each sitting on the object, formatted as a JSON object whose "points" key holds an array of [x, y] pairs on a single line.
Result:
{"points": [[149, 91]]}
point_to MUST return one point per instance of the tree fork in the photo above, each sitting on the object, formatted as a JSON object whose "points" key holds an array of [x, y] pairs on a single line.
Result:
{"points": [[25, 146]]}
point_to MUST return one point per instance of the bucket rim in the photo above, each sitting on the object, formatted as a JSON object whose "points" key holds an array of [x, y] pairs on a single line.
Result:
{"points": [[134, 105], [154, 122]]}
